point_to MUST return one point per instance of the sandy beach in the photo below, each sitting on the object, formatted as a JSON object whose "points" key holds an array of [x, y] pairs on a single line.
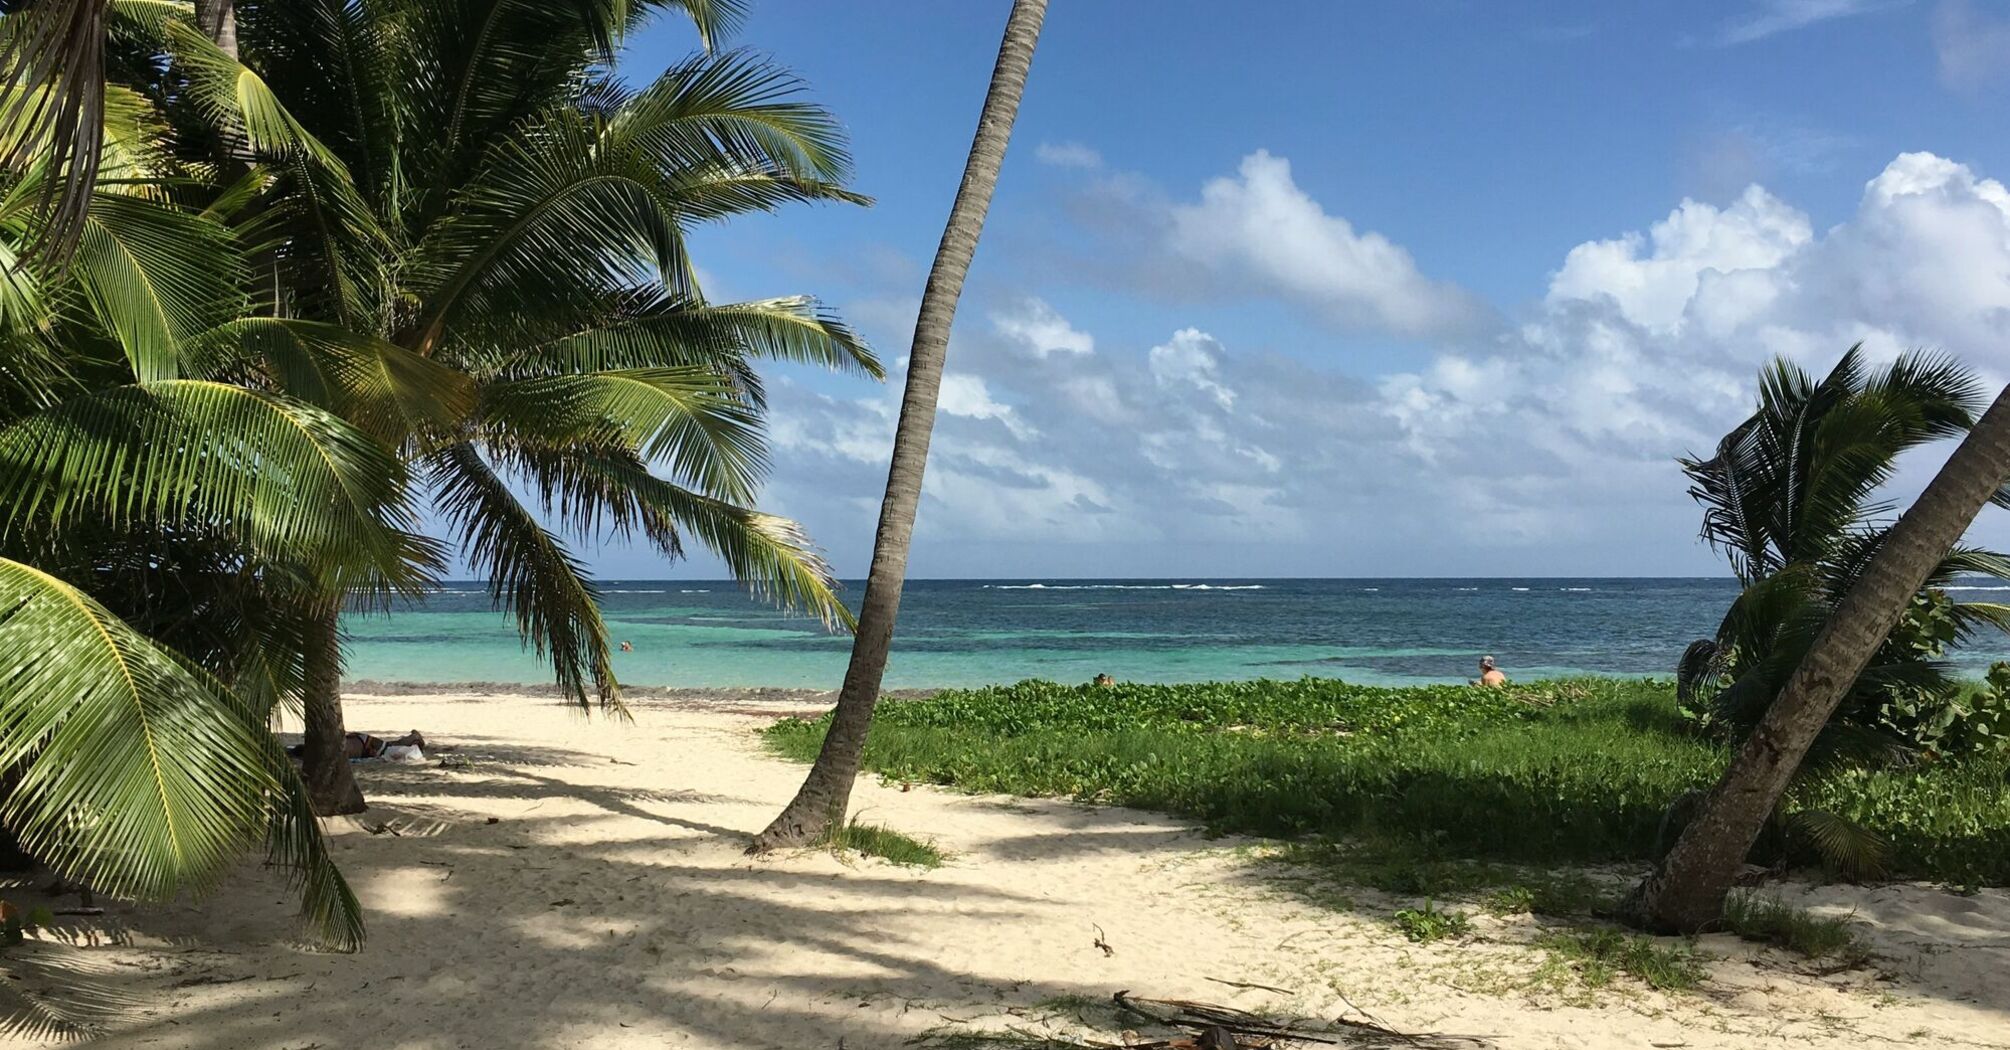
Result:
{"points": [[562, 882]]}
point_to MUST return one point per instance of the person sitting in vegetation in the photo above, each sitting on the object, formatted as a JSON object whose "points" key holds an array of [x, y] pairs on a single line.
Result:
{"points": [[1490, 676], [1105, 679]]}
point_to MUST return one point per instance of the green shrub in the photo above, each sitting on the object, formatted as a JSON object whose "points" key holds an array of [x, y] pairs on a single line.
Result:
{"points": [[1511, 900], [1430, 923]]}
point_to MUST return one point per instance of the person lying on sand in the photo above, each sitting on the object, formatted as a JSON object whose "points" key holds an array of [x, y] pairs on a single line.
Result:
{"points": [[1490, 676], [363, 745]]}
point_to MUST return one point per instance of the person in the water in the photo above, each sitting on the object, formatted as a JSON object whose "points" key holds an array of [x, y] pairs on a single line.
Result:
{"points": [[1490, 676]]}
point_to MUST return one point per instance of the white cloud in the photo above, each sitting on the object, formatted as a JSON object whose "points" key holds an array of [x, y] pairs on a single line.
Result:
{"points": [[1974, 50], [969, 396], [1189, 360], [1261, 228], [1547, 448], [1068, 155], [1042, 330], [1648, 345], [1770, 17], [1653, 278]]}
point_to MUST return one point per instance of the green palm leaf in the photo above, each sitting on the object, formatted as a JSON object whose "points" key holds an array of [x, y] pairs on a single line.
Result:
{"points": [[238, 102], [295, 480], [384, 389], [770, 555], [154, 277], [529, 570], [733, 111], [690, 417], [671, 334], [136, 771]]}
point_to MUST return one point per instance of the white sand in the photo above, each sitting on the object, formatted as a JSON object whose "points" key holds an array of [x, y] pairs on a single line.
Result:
{"points": [[610, 906]]}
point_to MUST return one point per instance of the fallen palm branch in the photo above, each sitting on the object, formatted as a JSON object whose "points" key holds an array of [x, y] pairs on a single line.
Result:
{"points": [[1226, 1028]]}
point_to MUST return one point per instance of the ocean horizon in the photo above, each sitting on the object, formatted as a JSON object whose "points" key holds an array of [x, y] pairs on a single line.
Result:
{"points": [[969, 632]]}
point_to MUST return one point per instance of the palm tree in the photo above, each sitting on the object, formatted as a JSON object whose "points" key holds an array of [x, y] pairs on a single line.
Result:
{"points": [[134, 723], [826, 792], [470, 241], [1790, 495], [1687, 891], [215, 418]]}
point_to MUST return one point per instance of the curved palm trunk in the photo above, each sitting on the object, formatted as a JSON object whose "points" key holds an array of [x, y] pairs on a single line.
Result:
{"points": [[325, 760], [1687, 892], [826, 792]]}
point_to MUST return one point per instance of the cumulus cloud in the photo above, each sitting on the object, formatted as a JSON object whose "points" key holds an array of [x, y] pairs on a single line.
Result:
{"points": [[1190, 359], [1771, 17], [1974, 50], [1041, 330], [1651, 279], [969, 396], [1647, 344], [1068, 155], [1260, 229], [1545, 448]]}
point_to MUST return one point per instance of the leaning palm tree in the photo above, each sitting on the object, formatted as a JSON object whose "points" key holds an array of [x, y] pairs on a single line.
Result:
{"points": [[1687, 891], [1791, 496], [470, 241], [826, 792]]}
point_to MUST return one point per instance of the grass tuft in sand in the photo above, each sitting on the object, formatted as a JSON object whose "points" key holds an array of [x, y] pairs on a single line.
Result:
{"points": [[1770, 920], [876, 840], [1599, 955]]}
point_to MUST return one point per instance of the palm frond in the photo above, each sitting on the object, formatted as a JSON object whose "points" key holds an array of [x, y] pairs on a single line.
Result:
{"points": [[1700, 667], [135, 774], [691, 418], [54, 54], [296, 480], [671, 334], [138, 773], [771, 556], [238, 102], [155, 277], [735, 112], [530, 572], [387, 391], [294, 844], [1847, 848], [712, 18]]}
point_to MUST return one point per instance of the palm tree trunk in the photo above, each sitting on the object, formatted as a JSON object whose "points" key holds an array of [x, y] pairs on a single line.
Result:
{"points": [[324, 759], [218, 20], [1687, 892], [826, 792]]}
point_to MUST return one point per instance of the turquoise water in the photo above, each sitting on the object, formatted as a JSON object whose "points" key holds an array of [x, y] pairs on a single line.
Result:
{"points": [[974, 632]]}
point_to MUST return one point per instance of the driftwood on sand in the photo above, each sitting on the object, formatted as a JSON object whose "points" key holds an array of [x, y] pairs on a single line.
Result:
{"points": [[1226, 1028]]}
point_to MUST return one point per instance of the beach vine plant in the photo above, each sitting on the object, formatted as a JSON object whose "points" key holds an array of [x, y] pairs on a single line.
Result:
{"points": [[1415, 790]]}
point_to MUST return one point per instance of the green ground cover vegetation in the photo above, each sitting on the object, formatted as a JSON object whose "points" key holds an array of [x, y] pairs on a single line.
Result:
{"points": [[1438, 777]]}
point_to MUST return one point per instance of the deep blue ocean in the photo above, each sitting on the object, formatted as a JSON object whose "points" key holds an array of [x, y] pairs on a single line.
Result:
{"points": [[972, 632]]}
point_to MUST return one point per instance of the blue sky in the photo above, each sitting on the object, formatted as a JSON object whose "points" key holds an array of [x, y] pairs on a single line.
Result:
{"points": [[1418, 288]]}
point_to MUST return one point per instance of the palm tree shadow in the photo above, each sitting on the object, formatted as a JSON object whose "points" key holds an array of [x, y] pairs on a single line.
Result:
{"points": [[56, 991]]}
